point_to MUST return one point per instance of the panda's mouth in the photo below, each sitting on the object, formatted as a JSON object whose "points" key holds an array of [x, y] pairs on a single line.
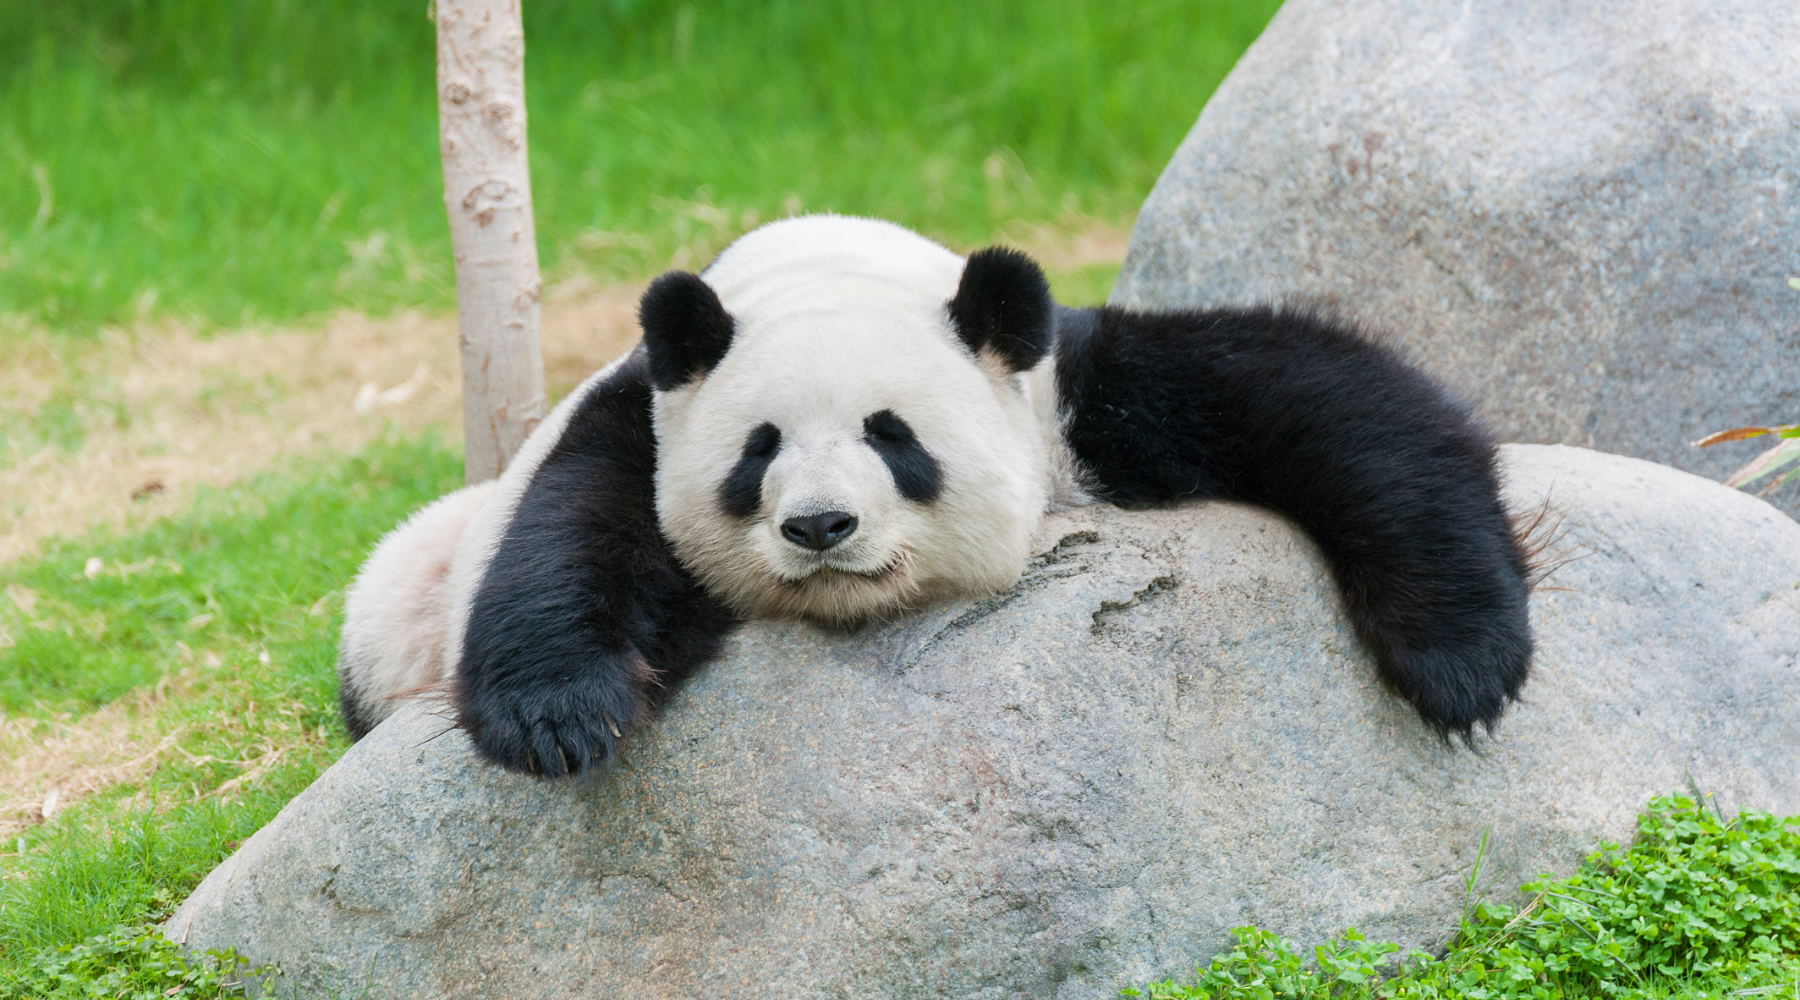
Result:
{"points": [[831, 565], [831, 570], [833, 592]]}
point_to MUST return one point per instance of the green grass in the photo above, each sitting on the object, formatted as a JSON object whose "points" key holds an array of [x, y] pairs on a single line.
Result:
{"points": [[135, 962], [1698, 906], [236, 575], [230, 610], [276, 159]]}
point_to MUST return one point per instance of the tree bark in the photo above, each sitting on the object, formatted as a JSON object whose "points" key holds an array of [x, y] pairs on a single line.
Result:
{"points": [[487, 191]]}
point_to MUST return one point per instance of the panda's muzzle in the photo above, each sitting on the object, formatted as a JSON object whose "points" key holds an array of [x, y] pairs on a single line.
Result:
{"points": [[819, 532]]}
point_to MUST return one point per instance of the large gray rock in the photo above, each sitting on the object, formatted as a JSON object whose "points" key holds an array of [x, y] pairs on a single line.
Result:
{"points": [[1581, 213], [1166, 730]]}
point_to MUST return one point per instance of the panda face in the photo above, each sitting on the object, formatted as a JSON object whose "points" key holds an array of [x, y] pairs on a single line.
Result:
{"points": [[846, 455], [839, 466]]}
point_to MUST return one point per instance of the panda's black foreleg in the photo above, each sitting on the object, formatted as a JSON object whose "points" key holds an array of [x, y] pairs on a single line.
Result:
{"points": [[584, 621], [1390, 476]]}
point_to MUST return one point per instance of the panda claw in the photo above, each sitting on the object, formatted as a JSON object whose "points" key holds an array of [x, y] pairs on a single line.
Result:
{"points": [[564, 728], [546, 747]]}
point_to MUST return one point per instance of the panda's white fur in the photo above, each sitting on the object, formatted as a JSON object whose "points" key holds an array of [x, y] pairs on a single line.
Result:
{"points": [[398, 613], [837, 318]]}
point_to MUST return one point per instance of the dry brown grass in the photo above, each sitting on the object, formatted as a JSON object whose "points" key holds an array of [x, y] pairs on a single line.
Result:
{"points": [[48, 764], [1071, 249], [209, 410]]}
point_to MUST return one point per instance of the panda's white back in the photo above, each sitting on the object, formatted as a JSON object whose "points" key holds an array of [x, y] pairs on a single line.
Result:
{"points": [[831, 261]]}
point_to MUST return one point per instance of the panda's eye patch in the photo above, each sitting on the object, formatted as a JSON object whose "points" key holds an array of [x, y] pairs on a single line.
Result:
{"points": [[763, 442], [887, 428], [741, 492], [915, 471]]}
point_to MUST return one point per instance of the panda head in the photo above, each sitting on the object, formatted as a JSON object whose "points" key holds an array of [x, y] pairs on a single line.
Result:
{"points": [[843, 423]]}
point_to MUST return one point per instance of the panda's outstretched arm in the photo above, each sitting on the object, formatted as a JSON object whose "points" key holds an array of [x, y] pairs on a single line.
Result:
{"points": [[1392, 478], [584, 619]]}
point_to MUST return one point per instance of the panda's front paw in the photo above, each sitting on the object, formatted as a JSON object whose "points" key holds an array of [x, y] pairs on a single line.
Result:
{"points": [[557, 729], [1458, 688]]}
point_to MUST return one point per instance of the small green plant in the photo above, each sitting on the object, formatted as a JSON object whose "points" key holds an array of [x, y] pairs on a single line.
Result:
{"points": [[1698, 906], [132, 962], [1265, 966]]}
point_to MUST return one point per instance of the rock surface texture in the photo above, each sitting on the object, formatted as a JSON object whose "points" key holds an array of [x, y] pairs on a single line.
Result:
{"points": [[1166, 730], [1582, 215]]}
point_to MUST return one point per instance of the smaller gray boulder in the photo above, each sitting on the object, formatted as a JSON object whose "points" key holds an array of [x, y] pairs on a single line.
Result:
{"points": [[1164, 731]]}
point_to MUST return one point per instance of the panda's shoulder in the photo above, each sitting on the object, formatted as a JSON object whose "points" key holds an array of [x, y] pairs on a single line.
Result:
{"points": [[608, 413], [610, 409]]}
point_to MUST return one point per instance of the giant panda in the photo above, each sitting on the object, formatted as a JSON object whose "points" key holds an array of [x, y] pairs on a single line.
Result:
{"points": [[839, 419]]}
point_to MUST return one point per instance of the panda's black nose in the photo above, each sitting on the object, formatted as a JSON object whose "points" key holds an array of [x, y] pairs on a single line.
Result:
{"points": [[819, 531]]}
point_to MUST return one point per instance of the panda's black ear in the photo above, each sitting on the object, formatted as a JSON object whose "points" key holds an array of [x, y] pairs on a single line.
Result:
{"points": [[1003, 306], [686, 329]]}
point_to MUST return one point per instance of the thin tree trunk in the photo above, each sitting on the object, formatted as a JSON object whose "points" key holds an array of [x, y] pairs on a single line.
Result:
{"points": [[487, 190]]}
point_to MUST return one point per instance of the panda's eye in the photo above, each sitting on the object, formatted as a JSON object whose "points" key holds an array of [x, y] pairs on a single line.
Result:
{"points": [[741, 492], [886, 427], [762, 442], [916, 473]]}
